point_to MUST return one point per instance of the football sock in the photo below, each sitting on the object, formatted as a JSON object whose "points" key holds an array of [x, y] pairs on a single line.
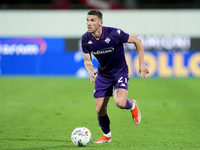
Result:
{"points": [[104, 123], [133, 106], [129, 104], [108, 134]]}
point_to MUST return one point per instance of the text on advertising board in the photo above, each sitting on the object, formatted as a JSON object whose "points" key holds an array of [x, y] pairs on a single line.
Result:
{"points": [[23, 46]]}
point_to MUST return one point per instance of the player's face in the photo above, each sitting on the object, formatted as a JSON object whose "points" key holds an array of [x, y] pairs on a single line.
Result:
{"points": [[93, 23]]}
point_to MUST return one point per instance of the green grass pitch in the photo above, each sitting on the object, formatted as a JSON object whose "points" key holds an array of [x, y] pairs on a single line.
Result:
{"points": [[40, 113]]}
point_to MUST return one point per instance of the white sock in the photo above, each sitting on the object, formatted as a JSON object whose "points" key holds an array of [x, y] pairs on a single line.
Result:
{"points": [[133, 106], [108, 134]]}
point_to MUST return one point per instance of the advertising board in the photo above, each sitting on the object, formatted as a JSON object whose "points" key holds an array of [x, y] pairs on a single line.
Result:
{"points": [[48, 56]]}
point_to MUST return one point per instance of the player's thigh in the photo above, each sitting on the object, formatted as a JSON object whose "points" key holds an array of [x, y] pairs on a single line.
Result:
{"points": [[120, 97], [121, 90], [101, 105], [103, 87]]}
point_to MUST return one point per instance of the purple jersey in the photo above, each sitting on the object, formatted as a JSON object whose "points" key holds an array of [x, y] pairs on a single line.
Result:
{"points": [[108, 50]]}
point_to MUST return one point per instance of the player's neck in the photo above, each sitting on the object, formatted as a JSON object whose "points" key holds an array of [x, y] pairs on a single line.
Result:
{"points": [[97, 33]]}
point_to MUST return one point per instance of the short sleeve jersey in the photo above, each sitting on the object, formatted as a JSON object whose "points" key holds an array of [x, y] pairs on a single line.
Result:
{"points": [[108, 50]]}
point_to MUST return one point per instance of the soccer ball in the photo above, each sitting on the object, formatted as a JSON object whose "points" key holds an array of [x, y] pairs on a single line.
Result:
{"points": [[81, 136]]}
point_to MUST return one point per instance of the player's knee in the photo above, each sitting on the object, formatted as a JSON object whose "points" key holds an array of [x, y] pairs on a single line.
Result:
{"points": [[120, 103]]}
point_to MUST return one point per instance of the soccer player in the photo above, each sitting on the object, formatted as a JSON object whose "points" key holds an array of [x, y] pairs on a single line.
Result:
{"points": [[106, 44]]}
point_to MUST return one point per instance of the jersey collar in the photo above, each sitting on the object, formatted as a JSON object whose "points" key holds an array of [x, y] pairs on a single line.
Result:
{"points": [[102, 35]]}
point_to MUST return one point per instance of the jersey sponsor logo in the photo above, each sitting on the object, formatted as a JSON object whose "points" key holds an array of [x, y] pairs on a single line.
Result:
{"points": [[104, 51], [107, 40]]}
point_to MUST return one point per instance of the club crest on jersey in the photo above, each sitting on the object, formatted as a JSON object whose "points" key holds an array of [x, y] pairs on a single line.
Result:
{"points": [[107, 40]]}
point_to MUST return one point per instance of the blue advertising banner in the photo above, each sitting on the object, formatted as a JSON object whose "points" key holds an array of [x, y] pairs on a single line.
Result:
{"points": [[47, 56], [31, 46]]}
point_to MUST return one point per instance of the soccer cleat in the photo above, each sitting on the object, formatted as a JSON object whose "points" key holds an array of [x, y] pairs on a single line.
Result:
{"points": [[104, 139], [136, 113]]}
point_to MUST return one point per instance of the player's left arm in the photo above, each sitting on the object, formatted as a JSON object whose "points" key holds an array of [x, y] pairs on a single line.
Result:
{"points": [[139, 47]]}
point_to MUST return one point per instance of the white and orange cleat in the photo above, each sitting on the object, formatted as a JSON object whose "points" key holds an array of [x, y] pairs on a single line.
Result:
{"points": [[104, 139], [136, 113]]}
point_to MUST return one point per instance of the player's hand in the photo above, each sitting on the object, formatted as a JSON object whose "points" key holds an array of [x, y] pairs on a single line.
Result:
{"points": [[143, 70], [92, 76]]}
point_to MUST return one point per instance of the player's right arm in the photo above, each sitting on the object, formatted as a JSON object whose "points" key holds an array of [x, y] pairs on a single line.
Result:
{"points": [[89, 67]]}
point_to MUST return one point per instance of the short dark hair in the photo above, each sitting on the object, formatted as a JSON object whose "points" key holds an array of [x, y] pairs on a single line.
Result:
{"points": [[96, 12]]}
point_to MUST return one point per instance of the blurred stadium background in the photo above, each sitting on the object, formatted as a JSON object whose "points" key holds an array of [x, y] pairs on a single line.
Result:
{"points": [[42, 37]]}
